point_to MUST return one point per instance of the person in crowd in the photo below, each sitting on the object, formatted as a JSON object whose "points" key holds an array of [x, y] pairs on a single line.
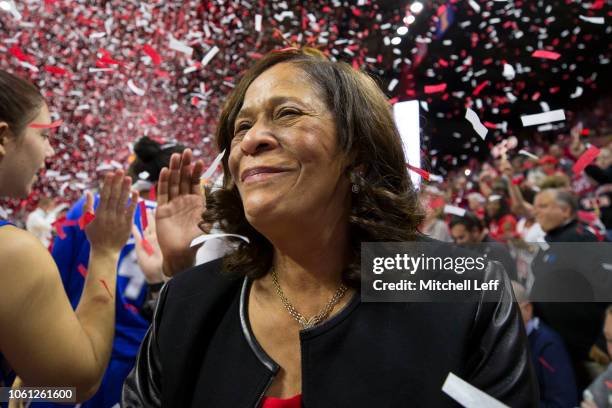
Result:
{"points": [[476, 204], [601, 173], [433, 225], [498, 218], [550, 359], [599, 393], [139, 278], [467, 230], [42, 339], [314, 167], [558, 278], [40, 221]]}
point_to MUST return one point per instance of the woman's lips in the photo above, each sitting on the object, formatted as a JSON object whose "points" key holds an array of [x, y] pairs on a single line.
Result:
{"points": [[255, 174]]}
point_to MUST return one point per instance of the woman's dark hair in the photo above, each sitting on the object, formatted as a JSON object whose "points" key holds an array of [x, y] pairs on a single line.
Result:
{"points": [[20, 101], [469, 220], [151, 157], [386, 207]]}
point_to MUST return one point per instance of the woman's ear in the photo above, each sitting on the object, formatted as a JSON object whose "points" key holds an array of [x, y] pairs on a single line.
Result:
{"points": [[4, 130]]}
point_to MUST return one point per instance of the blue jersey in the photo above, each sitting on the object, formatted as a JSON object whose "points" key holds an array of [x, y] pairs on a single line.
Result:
{"points": [[130, 327], [7, 375]]}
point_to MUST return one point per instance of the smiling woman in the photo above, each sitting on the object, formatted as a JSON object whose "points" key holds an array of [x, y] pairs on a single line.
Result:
{"points": [[315, 168]]}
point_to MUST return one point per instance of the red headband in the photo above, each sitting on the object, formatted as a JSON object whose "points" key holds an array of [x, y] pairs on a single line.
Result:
{"points": [[52, 125]]}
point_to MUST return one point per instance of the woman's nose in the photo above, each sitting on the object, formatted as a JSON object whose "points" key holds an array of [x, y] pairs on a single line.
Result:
{"points": [[258, 139]]}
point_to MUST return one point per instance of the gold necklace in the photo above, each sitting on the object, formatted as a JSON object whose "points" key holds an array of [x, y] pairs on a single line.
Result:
{"points": [[316, 319]]}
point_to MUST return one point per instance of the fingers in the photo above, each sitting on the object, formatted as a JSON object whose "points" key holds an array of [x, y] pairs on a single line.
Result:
{"points": [[136, 234], [185, 180], [123, 195], [198, 169], [175, 177], [88, 206], [162, 186], [115, 190], [105, 192], [129, 214]]}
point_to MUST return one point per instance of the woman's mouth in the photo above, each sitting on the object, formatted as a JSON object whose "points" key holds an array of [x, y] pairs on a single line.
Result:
{"points": [[255, 174]]}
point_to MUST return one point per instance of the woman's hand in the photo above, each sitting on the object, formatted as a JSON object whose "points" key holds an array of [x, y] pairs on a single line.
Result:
{"points": [[180, 204], [111, 227], [149, 254]]}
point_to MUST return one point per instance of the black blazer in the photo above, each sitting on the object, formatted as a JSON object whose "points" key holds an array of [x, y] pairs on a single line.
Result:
{"points": [[200, 350]]}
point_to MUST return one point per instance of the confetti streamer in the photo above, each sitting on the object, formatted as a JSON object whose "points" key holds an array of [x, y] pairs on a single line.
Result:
{"points": [[585, 159], [144, 222], [530, 155], [453, 209], [593, 20], [82, 270], [103, 282], [545, 117], [146, 245], [209, 55], [429, 89], [546, 364], [468, 395], [155, 58], [472, 117], [211, 170], [85, 219], [546, 54], [207, 237], [423, 173], [135, 89], [179, 46]]}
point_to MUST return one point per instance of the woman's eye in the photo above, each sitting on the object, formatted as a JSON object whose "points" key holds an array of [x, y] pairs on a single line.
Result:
{"points": [[242, 127], [286, 112]]}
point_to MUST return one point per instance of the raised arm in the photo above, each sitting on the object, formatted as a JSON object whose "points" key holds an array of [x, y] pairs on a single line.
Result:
{"points": [[44, 340]]}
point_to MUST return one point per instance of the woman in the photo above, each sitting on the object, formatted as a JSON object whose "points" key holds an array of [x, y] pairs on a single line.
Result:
{"points": [[315, 167], [134, 272], [41, 337]]}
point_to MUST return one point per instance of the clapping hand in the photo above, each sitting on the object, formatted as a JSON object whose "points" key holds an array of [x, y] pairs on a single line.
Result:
{"points": [[111, 227], [181, 203], [149, 254]]}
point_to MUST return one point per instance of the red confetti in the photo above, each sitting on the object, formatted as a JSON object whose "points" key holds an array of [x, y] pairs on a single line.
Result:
{"points": [[435, 88], [130, 307], [146, 245], [585, 159], [55, 70], [545, 364], [546, 54], [85, 219], [144, 222], [152, 53], [82, 270], [419, 171], [480, 87], [103, 282], [20, 55], [152, 193]]}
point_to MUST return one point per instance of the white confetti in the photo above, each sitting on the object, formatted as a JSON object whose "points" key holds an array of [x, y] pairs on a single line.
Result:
{"points": [[179, 46], [258, 22], [544, 117], [594, 20], [468, 395], [474, 5], [472, 117], [95, 36], [509, 72], [134, 88], [210, 55], [526, 153], [392, 84], [577, 93], [453, 209], [211, 170]]}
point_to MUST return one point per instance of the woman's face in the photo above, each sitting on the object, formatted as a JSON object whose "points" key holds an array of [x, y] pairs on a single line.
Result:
{"points": [[23, 156], [284, 157]]}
